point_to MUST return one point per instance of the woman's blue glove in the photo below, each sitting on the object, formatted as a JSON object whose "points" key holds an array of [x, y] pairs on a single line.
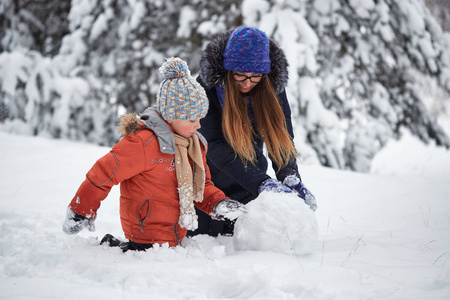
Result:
{"points": [[296, 185], [273, 185]]}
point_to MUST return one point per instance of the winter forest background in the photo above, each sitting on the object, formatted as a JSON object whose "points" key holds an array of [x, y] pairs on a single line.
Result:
{"points": [[361, 71]]}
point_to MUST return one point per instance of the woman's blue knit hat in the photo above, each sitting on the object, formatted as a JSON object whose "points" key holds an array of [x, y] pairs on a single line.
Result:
{"points": [[180, 96], [247, 51]]}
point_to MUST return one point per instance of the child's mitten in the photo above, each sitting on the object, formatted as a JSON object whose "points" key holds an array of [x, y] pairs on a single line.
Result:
{"points": [[228, 209], [74, 223]]}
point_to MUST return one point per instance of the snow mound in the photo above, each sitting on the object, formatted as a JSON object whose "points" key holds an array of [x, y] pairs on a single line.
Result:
{"points": [[410, 156], [278, 223]]}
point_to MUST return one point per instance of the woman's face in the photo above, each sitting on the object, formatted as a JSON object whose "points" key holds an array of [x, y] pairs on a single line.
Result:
{"points": [[185, 128], [247, 81]]}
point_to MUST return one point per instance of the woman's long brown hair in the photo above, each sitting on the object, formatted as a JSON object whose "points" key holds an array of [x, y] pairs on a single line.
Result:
{"points": [[270, 123]]}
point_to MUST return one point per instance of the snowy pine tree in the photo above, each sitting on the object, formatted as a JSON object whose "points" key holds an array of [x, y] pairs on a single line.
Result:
{"points": [[359, 69], [375, 48]]}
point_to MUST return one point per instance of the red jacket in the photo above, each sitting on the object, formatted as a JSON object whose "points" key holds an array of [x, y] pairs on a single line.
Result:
{"points": [[143, 164]]}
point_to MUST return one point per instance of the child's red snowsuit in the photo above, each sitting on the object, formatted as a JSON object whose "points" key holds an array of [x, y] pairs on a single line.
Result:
{"points": [[143, 163]]}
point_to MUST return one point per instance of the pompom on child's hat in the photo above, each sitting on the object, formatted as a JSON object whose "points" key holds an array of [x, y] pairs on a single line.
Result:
{"points": [[247, 51], [180, 96]]}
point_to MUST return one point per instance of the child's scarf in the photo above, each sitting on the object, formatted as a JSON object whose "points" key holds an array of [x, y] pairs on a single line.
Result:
{"points": [[191, 178]]}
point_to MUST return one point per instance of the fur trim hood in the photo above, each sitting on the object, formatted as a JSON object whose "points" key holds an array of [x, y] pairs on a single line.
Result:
{"points": [[211, 64], [129, 123], [151, 119]]}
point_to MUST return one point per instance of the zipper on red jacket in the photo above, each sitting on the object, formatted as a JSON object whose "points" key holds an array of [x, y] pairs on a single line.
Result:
{"points": [[176, 232], [141, 222]]}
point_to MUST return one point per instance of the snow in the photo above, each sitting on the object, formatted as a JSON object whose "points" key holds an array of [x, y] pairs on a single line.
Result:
{"points": [[363, 8], [79, 12], [187, 17], [252, 10], [139, 12], [278, 223], [100, 25], [381, 235], [8, 63], [432, 165], [416, 23], [211, 27]]}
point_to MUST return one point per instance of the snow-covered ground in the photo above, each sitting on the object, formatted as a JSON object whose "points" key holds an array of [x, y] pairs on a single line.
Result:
{"points": [[383, 235]]}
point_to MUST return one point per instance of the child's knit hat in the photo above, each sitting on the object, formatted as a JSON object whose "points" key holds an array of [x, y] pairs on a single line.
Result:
{"points": [[180, 96], [247, 51]]}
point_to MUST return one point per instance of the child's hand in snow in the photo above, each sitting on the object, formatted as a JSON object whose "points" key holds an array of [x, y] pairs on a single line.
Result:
{"points": [[296, 185], [74, 223], [228, 209]]}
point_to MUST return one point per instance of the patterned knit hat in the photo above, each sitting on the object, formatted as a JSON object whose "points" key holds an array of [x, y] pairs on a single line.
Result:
{"points": [[180, 96], [247, 51]]}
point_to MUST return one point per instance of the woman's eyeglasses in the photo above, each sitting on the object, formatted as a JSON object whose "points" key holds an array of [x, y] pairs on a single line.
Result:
{"points": [[242, 78]]}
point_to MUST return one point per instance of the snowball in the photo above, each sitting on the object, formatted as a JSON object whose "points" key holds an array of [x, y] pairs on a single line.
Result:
{"points": [[276, 222]]}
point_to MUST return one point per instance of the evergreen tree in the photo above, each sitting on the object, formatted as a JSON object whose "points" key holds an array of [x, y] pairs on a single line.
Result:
{"points": [[68, 69]]}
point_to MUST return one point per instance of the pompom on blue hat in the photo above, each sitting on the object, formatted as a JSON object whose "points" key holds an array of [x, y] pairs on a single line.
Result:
{"points": [[247, 51], [180, 96]]}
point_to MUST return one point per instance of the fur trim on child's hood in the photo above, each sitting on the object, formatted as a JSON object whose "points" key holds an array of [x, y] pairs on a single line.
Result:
{"points": [[129, 123]]}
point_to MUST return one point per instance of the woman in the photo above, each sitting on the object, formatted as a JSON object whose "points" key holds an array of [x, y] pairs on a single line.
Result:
{"points": [[245, 74]]}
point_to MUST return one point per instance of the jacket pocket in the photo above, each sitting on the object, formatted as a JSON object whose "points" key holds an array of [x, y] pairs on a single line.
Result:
{"points": [[143, 213]]}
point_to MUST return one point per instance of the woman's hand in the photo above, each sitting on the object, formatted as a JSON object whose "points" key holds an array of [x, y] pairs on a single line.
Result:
{"points": [[296, 185], [273, 185]]}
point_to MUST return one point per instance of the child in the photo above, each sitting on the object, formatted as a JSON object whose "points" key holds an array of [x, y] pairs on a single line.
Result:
{"points": [[161, 165]]}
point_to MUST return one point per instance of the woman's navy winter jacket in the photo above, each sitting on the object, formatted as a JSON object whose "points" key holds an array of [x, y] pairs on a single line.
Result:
{"points": [[237, 181]]}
